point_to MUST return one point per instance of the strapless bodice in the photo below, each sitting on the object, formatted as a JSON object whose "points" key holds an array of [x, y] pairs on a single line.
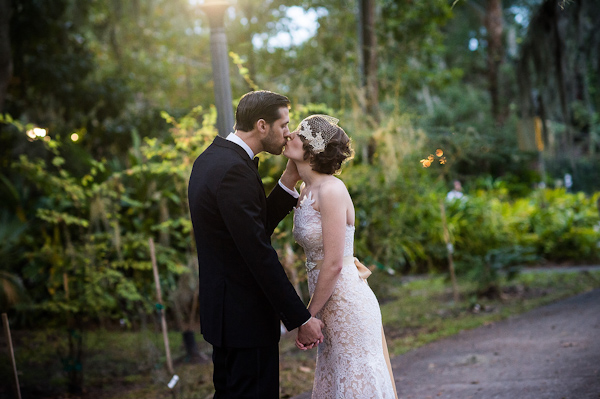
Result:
{"points": [[309, 233]]}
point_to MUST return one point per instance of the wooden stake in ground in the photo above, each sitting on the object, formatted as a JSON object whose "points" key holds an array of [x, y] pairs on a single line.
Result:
{"points": [[12, 353], [160, 303], [450, 250]]}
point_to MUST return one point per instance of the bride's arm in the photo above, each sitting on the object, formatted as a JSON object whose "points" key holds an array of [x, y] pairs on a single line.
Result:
{"points": [[332, 199]]}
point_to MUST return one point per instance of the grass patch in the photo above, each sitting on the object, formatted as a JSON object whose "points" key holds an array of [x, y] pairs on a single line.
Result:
{"points": [[126, 364], [423, 311]]}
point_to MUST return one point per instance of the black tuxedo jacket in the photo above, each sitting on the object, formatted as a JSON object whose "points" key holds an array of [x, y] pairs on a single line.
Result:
{"points": [[244, 291]]}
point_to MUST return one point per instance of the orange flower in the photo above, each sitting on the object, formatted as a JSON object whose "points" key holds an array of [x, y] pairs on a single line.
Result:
{"points": [[430, 157], [439, 152], [442, 160], [426, 163]]}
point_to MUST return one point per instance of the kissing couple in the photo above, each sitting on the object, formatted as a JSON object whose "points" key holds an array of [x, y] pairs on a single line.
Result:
{"points": [[244, 291]]}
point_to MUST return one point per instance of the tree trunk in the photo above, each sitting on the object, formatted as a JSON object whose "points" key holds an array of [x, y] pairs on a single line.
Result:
{"points": [[192, 352], [559, 68], [495, 53], [164, 216], [5, 55], [249, 11], [368, 66], [73, 361], [369, 56]]}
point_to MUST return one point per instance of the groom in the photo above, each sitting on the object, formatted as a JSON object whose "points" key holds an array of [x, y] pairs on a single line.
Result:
{"points": [[244, 291]]}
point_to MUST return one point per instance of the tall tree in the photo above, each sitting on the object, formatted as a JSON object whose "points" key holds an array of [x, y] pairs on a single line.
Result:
{"points": [[494, 26], [412, 34], [368, 42], [253, 20], [488, 16], [558, 73]]}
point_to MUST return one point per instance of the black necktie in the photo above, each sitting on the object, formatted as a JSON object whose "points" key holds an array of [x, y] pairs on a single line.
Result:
{"points": [[255, 160]]}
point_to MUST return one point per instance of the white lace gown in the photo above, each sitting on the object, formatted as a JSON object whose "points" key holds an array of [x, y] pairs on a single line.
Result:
{"points": [[350, 361]]}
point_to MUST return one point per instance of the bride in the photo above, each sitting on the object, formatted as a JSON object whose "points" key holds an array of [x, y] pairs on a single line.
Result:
{"points": [[353, 360]]}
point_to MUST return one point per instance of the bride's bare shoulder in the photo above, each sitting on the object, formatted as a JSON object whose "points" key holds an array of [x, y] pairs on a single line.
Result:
{"points": [[332, 189]]}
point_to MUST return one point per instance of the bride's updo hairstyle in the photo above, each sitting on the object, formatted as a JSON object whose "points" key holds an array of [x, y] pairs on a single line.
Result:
{"points": [[325, 144]]}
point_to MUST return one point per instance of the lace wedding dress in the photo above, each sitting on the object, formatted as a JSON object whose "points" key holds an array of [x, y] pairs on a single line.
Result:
{"points": [[352, 361]]}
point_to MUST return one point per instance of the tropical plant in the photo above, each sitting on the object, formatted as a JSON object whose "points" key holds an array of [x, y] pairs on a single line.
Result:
{"points": [[90, 259]]}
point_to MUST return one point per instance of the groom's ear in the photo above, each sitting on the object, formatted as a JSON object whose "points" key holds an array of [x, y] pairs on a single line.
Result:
{"points": [[261, 126]]}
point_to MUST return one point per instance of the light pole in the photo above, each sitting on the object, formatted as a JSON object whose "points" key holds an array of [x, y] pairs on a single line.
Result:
{"points": [[215, 10]]}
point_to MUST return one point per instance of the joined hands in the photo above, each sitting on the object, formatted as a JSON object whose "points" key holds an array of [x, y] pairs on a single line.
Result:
{"points": [[310, 335]]}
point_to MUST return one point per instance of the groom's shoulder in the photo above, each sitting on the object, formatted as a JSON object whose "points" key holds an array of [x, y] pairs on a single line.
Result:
{"points": [[218, 144], [218, 158], [220, 150]]}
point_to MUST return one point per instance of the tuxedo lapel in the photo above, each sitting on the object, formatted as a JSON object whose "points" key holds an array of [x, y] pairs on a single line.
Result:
{"points": [[221, 142]]}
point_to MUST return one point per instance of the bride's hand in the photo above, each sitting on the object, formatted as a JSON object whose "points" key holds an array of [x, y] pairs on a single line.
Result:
{"points": [[302, 347], [310, 334], [290, 175]]}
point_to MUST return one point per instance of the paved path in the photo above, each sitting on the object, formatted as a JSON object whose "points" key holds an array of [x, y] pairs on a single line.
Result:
{"points": [[552, 352]]}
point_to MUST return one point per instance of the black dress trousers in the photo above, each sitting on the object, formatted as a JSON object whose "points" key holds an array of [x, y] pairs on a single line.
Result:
{"points": [[246, 373]]}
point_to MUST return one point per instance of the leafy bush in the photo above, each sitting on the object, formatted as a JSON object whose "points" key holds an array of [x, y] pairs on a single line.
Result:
{"points": [[563, 225]]}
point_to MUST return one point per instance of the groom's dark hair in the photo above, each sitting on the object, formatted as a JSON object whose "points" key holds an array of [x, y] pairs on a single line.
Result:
{"points": [[257, 105]]}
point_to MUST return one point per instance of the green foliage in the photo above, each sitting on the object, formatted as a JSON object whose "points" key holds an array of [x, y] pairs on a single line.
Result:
{"points": [[492, 229], [389, 218], [555, 225], [459, 124], [12, 291], [585, 172], [85, 253], [417, 28], [488, 271], [565, 225], [90, 256]]}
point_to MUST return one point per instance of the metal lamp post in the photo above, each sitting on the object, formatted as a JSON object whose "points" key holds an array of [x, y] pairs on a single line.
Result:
{"points": [[215, 10]]}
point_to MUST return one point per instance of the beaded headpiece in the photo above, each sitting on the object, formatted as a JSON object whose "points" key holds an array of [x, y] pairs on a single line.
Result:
{"points": [[318, 130]]}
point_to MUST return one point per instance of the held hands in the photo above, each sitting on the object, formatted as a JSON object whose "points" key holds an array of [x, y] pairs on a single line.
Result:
{"points": [[290, 175], [310, 334]]}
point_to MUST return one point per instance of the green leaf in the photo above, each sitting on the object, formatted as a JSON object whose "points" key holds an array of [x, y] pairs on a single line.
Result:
{"points": [[58, 161]]}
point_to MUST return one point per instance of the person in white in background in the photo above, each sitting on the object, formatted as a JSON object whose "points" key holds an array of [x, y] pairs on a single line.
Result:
{"points": [[456, 192]]}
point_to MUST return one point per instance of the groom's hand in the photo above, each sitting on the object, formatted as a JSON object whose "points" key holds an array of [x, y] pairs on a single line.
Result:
{"points": [[310, 334], [290, 175]]}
